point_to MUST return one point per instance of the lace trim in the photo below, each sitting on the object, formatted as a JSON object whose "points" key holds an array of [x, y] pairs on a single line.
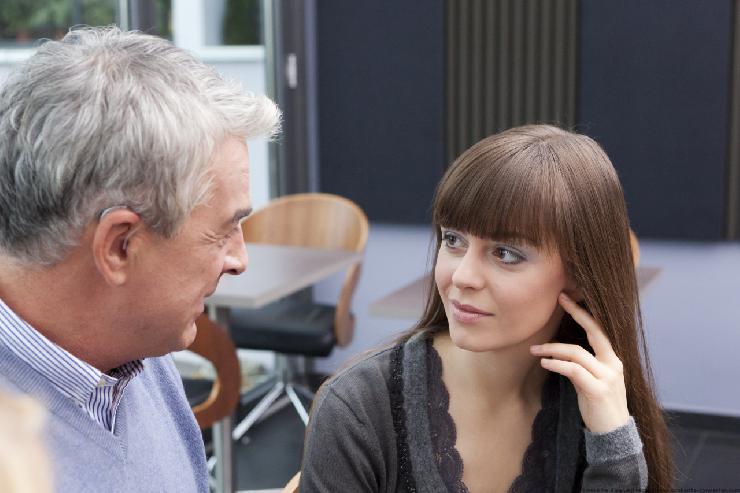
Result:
{"points": [[538, 464], [442, 426], [399, 419]]}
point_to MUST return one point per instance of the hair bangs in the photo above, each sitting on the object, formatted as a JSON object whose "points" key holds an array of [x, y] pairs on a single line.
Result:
{"points": [[513, 200]]}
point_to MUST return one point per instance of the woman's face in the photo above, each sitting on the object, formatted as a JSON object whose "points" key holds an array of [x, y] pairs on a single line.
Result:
{"points": [[499, 294]]}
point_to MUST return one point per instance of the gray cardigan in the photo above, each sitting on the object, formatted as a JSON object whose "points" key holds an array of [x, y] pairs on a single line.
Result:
{"points": [[369, 432]]}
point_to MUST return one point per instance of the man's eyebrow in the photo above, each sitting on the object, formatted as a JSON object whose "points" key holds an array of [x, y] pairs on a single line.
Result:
{"points": [[239, 215]]}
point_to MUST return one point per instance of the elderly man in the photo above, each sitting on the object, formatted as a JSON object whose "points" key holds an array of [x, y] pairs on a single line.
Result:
{"points": [[123, 181]]}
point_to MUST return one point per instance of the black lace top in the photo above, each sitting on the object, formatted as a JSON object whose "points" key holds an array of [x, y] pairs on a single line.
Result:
{"points": [[538, 465]]}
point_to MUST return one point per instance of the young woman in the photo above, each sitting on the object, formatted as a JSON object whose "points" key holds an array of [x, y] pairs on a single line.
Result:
{"points": [[524, 373]]}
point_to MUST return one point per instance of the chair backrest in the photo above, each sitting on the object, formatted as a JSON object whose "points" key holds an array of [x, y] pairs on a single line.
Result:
{"points": [[214, 344], [317, 220], [635, 247]]}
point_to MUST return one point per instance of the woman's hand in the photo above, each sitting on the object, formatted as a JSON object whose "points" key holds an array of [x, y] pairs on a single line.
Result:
{"points": [[599, 379]]}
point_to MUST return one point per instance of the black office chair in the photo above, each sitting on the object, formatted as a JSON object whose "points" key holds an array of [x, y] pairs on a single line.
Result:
{"points": [[296, 328]]}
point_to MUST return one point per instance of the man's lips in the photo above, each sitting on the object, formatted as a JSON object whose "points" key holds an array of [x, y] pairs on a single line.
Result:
{"points": [[467, 313]]}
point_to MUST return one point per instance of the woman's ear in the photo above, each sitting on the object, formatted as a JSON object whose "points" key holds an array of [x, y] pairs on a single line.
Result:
{"points": [[112, 245], [573, 290]]}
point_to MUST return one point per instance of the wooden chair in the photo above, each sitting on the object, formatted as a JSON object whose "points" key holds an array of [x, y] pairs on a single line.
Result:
{"points": [[292, 486], [215, 345], [297, 326], [317, 220]]}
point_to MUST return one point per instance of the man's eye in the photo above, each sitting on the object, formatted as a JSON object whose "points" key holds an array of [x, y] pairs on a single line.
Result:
{"points": [[228, 236], [222, 240]]}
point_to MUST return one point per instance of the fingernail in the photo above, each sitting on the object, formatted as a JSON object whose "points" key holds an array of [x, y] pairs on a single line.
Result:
{"points": [[535, 349], [565, 297]]}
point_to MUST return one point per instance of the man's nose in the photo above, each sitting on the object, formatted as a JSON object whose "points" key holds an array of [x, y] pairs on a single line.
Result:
{"points": [[236, 259], [468, 271]]}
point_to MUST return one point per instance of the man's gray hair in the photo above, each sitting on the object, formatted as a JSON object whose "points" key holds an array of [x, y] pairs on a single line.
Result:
{"points": [[103, 118]]}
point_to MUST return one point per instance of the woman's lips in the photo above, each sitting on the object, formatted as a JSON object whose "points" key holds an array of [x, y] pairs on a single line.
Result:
{"points": [[467, 313]]}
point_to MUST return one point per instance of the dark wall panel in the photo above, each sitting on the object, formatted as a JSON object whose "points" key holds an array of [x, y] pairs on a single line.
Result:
{"points": [[654, 91], [381, 100]]}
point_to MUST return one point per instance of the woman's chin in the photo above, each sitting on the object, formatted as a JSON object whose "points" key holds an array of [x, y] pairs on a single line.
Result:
{"points": [[463, 339]]}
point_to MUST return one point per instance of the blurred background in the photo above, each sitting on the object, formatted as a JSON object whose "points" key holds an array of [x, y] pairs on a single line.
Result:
{"points": [[379, 96]]}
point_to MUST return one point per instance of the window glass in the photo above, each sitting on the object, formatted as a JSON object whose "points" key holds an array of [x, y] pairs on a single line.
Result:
{"points": [[22, 22], [151, 16], [242, 22], [226, 22]]}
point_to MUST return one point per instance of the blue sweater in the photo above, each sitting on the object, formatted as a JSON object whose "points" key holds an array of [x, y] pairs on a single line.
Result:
{"points": [[156, 445]]}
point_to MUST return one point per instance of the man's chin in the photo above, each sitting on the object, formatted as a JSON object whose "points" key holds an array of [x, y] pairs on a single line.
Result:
{"points": [[188, 337]]}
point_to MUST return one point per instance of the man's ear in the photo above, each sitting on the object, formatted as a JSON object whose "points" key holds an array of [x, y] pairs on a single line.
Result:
{"points": [[113, 244]]}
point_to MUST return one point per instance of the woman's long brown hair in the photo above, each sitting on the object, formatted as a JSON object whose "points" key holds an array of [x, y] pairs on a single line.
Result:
{"points": [[558, 190]]}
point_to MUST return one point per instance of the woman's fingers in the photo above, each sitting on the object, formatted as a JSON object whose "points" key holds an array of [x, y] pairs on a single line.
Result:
{"points": [[598, 379], [602, 402], [572, 353], [596, 335], [583, 380]]}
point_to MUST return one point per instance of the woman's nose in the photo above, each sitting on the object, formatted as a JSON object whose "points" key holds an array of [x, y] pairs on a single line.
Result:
{"points": [[468, 273]]}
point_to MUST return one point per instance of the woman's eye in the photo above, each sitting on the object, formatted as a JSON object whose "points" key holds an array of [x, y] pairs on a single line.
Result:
{"points": [[507, 255], [451, 240]]}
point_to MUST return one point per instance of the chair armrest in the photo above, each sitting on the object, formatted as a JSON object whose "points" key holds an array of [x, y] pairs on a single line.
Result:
{"points": [[214, 344]]}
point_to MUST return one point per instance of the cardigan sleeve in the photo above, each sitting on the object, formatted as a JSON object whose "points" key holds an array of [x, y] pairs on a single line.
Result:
{"points": [[341, 452], [615, 461], [350, 441]]}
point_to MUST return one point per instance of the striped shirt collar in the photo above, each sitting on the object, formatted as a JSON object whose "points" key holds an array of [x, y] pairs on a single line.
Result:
{"points": [[95, 392]]}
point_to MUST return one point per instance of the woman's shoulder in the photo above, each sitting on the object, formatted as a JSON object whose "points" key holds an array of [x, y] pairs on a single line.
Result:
{"points": [[350, 441], [372, 382], [374, 371], [363, 380]]}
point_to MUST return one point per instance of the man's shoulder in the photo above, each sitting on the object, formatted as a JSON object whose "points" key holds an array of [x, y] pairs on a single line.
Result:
{"points": [[164, 366], [160, 372]]}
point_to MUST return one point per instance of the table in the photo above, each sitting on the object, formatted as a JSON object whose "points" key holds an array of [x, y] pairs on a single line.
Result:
{"points": [[408, 300], [274, 271]]}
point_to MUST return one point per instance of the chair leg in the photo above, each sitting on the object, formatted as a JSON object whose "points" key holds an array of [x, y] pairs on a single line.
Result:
{"points": [[224, 453], [297, 404], [304, 391], [258, 410], [258, 392], [275, 407], [270, 404]]}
